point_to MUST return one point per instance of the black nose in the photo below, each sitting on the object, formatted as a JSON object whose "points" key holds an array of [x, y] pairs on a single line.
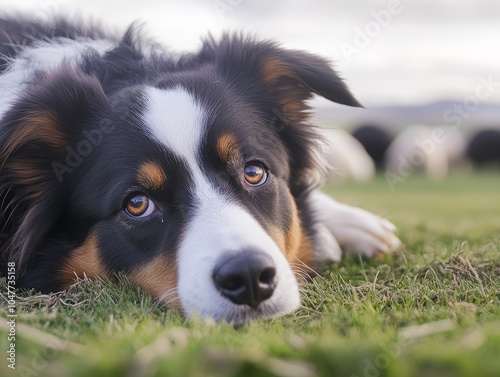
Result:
{"points": [[246, 278]]}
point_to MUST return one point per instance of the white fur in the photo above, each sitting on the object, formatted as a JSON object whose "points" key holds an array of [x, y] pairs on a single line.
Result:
{"points": [[326, 247], [356, 230], [222, 228], [44, 56], [219, 227]]}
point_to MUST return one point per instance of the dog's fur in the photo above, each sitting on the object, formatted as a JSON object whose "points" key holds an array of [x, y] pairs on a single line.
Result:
{"points": [[94, 127]]}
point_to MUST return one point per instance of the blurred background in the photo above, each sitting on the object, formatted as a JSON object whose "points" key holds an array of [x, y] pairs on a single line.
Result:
{"points": [[427, 72]]}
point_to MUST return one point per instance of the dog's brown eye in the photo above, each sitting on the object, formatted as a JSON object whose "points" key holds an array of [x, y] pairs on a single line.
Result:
{"points": [[255, 174], [139, 206]]}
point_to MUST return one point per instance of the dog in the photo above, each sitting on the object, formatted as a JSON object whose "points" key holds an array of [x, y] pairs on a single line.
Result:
{"points": [[196, 176]]}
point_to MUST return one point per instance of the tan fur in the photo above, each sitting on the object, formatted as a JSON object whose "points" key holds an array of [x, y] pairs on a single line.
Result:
{"points": [[157, 278], [24, 171], [83, 261], [297, 241], [39, 126], [279, 76], [274, 69], [151, 176], [227, 147], [294, 243]]}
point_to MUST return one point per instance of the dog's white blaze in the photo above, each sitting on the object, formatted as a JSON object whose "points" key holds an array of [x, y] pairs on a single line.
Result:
{"points": [[176, 121], [219, 226], [44, 56]]}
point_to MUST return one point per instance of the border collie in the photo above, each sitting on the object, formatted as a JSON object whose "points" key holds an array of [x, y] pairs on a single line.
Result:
{"points": [[196, 176]]}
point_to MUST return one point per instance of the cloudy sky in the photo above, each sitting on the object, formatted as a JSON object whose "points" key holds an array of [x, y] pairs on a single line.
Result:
{"points": [[390, 52]]}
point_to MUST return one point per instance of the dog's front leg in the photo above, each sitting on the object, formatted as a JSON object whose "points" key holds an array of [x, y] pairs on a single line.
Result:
{"points": [[356, 230]]}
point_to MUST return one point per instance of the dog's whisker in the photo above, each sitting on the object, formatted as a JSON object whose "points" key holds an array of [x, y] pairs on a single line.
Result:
{"points": [[307, 269], [165, 299]]}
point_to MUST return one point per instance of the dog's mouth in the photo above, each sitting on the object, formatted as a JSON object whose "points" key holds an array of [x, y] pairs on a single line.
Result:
{"points": [[243, 315], [239, 315]]}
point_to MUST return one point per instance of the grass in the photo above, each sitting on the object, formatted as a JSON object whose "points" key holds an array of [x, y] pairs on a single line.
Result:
{"points": [[432, 309]]}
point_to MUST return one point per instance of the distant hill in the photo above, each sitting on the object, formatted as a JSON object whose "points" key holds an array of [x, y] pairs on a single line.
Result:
{"points": [[451, 113]]}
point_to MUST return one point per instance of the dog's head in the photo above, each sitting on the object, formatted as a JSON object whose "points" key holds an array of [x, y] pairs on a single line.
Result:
{"points": [[191, 180]]}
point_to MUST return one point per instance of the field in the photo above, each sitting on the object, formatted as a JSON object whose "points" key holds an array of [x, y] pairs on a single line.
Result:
{"points": [[432, 309]]}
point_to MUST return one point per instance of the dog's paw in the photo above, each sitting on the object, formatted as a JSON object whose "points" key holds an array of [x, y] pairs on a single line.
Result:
{"points": [[362, 232], [326, 246], [356, 230]]}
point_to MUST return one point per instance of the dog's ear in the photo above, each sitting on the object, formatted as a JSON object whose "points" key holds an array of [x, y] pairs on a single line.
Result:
{"points": [[34, 134], [278, 82], [292, 76]]}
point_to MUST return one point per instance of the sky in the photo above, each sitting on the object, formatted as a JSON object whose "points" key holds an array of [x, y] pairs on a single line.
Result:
{"points": [[392, 52]]}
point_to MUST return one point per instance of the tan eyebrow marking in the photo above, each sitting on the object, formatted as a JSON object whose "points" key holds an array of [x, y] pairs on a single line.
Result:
{"points": [[227, 147], [151, 175]]}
